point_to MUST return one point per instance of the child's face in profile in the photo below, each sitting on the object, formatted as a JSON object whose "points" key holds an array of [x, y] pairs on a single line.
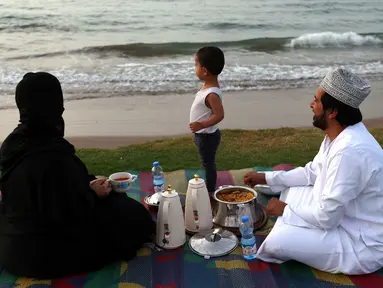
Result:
{"points": [[200, 71]]}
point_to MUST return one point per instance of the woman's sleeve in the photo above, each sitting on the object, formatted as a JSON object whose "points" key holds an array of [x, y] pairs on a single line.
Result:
{"points": [[64, 192]]}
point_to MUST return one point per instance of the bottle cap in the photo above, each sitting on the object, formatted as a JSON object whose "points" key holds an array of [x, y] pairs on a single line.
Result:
{"points": [[245, 218], [156, 163]]}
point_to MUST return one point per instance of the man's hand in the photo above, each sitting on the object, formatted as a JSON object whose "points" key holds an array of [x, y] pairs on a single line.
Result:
{"points": [[254, 178], [196, 126], [101, 186], [275, 207]]}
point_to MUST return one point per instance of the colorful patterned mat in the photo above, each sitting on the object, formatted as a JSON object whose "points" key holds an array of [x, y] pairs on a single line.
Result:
{"points": [[182, 268]]}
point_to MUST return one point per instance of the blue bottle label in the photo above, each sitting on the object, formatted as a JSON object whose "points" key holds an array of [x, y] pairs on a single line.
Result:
{"points": [[158, 188], [249, 249]]}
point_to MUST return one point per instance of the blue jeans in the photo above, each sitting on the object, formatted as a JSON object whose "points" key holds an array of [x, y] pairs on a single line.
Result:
{"points": [[207, 146]]}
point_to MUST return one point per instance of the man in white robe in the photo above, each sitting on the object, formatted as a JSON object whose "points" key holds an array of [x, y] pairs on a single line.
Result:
{"points": [[331, 211]]}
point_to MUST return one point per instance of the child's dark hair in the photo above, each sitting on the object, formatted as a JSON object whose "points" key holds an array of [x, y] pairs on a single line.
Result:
{"points": [[211, 58]]}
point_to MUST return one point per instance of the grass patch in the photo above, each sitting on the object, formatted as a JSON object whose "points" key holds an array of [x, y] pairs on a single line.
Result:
{"points": [[238, 149]]}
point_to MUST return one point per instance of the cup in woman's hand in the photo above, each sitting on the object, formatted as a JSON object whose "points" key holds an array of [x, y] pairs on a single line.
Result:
{"points": [[122, 181]]}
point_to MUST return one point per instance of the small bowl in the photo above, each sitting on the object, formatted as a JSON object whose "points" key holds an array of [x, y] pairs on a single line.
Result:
{"points": [[122, 181], [265, 189]]}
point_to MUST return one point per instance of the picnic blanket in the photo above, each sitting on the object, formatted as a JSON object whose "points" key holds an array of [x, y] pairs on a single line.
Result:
{"points": [[183, 268]]}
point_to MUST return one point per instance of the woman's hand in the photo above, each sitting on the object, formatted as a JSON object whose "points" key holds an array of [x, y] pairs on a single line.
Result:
{"points": [[101, 187]]}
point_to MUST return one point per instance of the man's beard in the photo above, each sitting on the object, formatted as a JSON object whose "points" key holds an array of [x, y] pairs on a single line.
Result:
{"points": [[320, 121]]}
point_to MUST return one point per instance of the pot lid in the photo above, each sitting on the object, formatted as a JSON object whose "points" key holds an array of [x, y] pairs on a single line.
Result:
{"points": [[213, 243], [196, 180], [169, 193]]}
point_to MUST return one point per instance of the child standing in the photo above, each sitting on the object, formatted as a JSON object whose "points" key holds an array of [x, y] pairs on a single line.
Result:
{"points": [[207, 110]]}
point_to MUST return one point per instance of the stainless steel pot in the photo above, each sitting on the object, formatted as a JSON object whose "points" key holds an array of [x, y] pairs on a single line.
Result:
{"points": [[229, 214]]}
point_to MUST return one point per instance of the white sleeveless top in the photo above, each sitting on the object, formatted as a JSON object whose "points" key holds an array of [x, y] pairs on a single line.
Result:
{"points": [[200, 112]]}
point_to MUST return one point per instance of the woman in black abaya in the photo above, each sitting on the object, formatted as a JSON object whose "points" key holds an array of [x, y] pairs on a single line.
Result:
{"points": [[55, 218]]}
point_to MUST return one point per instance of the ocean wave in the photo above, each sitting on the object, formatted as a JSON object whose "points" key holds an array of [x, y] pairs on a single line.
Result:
{"points": [[233, 25], [179, 77], [35, 27], [13, 23], [331, 39], [306, 41]]}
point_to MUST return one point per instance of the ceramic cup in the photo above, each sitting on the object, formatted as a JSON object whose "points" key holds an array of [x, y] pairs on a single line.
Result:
{"points": [[122, 181]]}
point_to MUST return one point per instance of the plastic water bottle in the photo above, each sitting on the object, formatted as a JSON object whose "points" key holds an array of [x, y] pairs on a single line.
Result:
{"points": [[248, 242], [158, 177]]}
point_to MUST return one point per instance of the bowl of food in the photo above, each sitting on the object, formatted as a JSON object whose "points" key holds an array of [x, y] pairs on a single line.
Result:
{"points": [[235, 194], [122, 181], [233, 203]]}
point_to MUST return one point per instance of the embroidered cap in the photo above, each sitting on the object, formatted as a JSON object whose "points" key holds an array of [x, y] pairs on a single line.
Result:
{"points": [[346, 87]]}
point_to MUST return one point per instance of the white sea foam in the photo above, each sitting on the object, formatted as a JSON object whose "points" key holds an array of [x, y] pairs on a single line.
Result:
{"points": [[326, 39], [178, 77]]}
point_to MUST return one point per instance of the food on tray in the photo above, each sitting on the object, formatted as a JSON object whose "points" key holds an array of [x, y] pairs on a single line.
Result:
{"points": [[235, 196]]}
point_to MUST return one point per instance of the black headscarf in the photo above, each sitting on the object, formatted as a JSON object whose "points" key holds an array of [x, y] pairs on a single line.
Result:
{"points": [[40, 101]]}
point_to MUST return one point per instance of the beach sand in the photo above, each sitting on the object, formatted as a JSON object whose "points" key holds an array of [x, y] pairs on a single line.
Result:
{"points": [[113, 122]]}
